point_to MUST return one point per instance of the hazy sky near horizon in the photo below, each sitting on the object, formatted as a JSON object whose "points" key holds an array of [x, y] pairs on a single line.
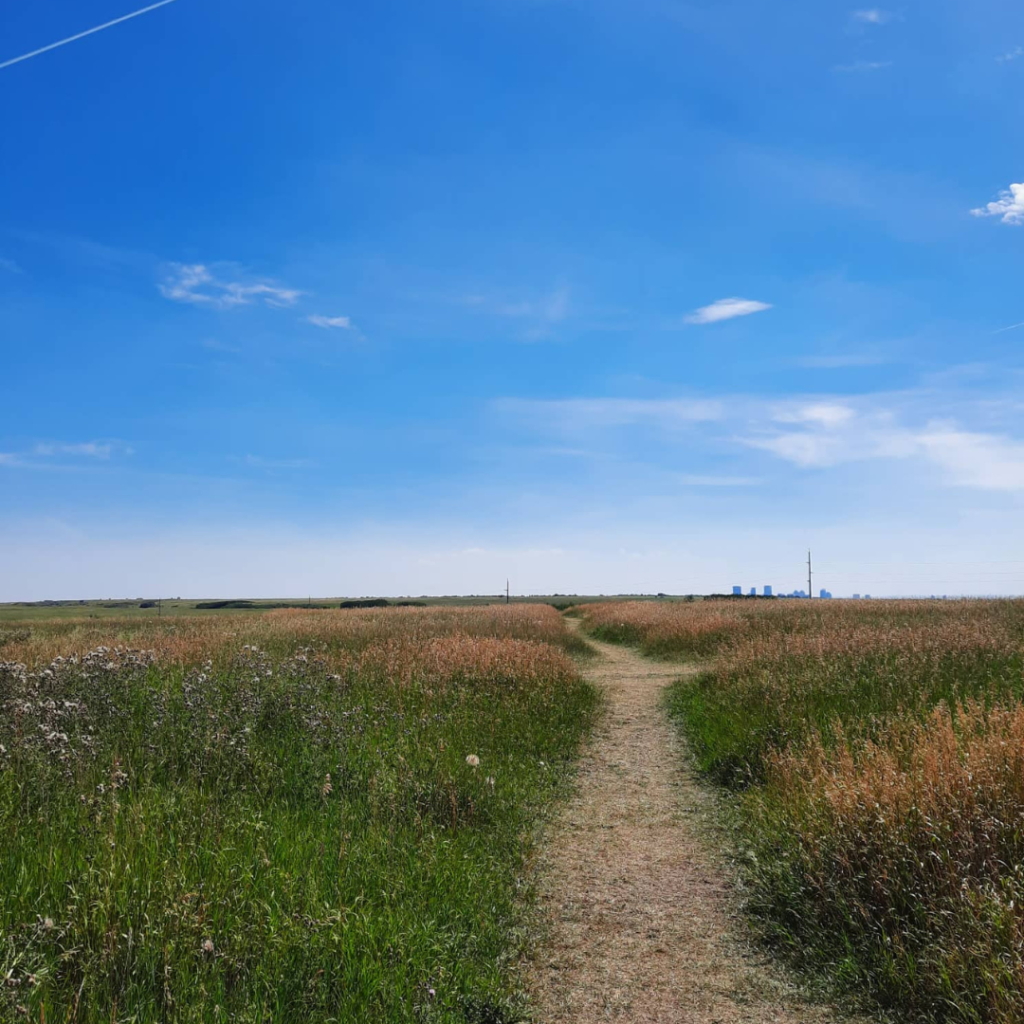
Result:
{"points": [[599, 296]]}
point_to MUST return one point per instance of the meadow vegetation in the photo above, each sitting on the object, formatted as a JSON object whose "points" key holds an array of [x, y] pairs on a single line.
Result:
{"points": [[876, 750], [299, 815]]}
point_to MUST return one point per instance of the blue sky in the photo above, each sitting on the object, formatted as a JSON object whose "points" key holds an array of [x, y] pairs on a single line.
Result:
{"points": [[601, 296]]}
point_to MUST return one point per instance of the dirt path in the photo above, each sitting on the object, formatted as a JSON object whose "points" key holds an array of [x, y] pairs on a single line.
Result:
{"points": [[643, 925]]}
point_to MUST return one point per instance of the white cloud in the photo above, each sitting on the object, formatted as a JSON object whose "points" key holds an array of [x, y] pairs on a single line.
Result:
{"points": [[859, 66], [807, 450], [1009, 207], [1014, 54], [986, 461], [198, 284], [330, 322], [829, 415], [871, 16], [726, 309], [836, 434]]}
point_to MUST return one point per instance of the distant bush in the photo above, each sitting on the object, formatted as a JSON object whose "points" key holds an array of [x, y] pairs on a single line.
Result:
{"points": [[376, 602]]}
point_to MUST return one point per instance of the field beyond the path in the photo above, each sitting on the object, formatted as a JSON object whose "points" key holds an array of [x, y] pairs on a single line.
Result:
{"points": [[876, 750], [282, 816]]}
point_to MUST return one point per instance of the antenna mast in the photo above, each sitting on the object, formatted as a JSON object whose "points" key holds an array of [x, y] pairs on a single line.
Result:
{"points": [[810, 592]]}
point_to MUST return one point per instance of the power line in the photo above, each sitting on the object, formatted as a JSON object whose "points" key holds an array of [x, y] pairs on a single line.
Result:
{"points": [[82, 35]]}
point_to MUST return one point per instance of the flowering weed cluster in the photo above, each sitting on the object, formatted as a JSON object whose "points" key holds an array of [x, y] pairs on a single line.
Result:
{"points": [[296, 816]]}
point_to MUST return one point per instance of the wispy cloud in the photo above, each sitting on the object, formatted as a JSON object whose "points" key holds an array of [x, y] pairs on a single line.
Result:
{"points": [[726, 309], [89, 450], [822, 414], [259, 462], [1014, 54], [973, 448], [330, 322], [835, 434], [871, 16], [986, 461], [1009, 207], [202, 285], [862, 67], [216, 345], [54, 452], [546, 311], [587, 413], [698, 480], [1012, 327], [841, 361]]}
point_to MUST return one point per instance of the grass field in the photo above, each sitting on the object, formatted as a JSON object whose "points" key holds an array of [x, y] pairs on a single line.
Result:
{"points": [[876, 750], [21, 613], [286, 816]]}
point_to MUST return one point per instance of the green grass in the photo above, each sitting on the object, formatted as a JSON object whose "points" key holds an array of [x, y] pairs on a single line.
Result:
{"points": [[224, 844]]}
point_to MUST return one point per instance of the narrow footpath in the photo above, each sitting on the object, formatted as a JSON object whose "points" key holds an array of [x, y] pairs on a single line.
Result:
{"points": [[643, 925]]}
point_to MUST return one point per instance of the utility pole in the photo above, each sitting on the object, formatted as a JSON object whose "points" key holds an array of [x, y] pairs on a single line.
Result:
{"points": [[507, 594], [810, 591]]}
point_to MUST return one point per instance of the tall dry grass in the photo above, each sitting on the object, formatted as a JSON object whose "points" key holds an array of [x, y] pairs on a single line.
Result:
{"points": [[877, 753], [187, 641], [900, 863]]}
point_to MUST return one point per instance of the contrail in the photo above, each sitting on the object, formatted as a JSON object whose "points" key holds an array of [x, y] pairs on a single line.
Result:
{"points": [[1012, 327], [87, 32]]}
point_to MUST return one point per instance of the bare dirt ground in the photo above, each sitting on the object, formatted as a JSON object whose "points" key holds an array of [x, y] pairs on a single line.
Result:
{"points": [[643, 922]]}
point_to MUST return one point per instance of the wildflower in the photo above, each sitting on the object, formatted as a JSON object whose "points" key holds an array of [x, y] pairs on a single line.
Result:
{"points": [[207, 945], [473, 761], [48, 925], [327, 789]]}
